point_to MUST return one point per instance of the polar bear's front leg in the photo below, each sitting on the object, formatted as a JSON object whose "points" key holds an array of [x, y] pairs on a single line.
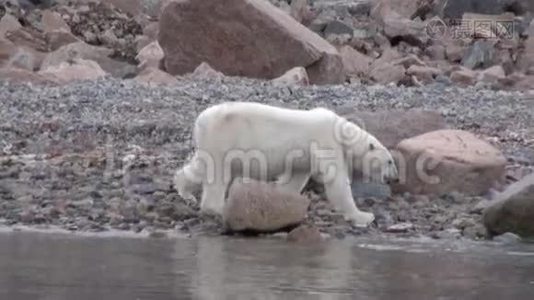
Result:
{"points": [[213, 198], [339, 193]]}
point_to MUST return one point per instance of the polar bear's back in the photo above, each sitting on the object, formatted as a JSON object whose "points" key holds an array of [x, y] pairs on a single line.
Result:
{"points": [[245, 125], [230, 111]]}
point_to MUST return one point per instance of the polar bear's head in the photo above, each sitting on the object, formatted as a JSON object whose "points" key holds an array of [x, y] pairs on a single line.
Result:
{"points": [[371, 158], [378, 164]]}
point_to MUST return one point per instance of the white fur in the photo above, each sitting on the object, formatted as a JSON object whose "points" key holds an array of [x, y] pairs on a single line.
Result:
{"points": [[293, 145]]}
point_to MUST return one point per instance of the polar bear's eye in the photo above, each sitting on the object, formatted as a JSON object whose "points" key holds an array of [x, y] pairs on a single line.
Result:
{"points": [[390, 162], [371, 147]]}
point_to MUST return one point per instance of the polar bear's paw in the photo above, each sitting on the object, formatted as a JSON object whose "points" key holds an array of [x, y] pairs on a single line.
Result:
{"points": [[211, 208], [361, 219]]}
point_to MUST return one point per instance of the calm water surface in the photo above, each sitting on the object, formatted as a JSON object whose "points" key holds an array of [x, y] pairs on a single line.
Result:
{"points": [[54, 267]]}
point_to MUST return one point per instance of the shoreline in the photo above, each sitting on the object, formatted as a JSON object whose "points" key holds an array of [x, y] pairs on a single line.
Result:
{"points": [[101, 154]]}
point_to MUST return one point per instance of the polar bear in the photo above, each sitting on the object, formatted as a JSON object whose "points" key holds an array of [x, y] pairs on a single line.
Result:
{"points": [[287, 146]]}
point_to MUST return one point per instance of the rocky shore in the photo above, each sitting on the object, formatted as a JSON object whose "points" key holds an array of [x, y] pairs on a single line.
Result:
{"points": [[100, 155], [98, 99]]}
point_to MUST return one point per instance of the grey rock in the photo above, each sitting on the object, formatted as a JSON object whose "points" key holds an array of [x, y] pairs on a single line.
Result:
{"points": [[507, 238], [454, 9], [513, 210], [480, 55], [338, 27]]}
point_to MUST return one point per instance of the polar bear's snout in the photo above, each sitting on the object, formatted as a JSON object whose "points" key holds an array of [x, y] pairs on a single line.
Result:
{"points": [[379, 165], [391, 175]]}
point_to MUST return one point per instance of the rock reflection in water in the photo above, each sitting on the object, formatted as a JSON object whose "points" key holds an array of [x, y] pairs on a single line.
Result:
{"points": [[35, 266]]}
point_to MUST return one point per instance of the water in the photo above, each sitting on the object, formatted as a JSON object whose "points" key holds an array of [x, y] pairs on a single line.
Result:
{"points": [[53, 267]]}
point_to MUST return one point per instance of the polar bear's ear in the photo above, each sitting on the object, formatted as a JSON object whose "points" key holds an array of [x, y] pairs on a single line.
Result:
{"points": [[371, 146]]}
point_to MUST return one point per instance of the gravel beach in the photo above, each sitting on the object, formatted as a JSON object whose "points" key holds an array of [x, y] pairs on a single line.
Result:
{"points": [[100, 155]]}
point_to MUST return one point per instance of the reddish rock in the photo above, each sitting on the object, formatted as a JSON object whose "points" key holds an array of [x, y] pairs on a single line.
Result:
{"points": [[295, 76], [492, 75], [154, 77], [141, 41], [526, 59], [16, 75], [525, 84], [8, 23], [53, 21], [75, 70], [305, 234], [397, 26], [13, 56], [244, 38], [409, 60], [464, 76], [299, 10], [28, 37], [405, 8], [423, 73], [356, 64], [88, 52], [150, 56], [151, 31], [384, 73], [151, 8], [445, 161], [205, 71], [436, 52], [262, 207], [59, 38], [454, 52]]}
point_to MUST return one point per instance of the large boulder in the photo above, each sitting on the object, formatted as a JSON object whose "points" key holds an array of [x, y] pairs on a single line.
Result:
{"points": [[526, 60], [262, 207], [445, 161], [389, 127], [513, 210], [243, 38]]}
